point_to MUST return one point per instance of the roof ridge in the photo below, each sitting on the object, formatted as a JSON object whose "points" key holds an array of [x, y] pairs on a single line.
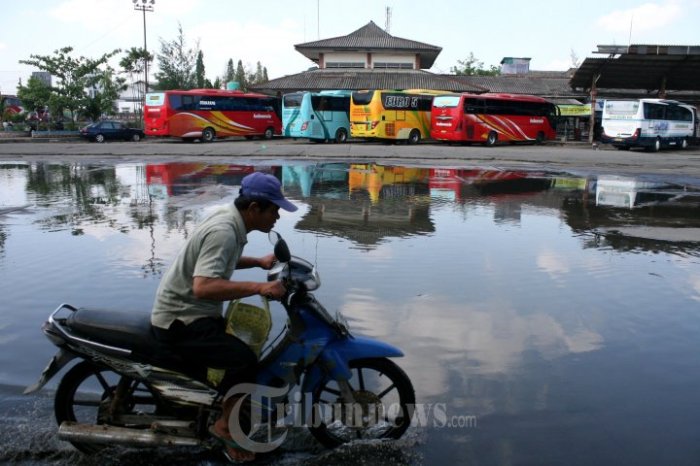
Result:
{"points": [[370, 30]]}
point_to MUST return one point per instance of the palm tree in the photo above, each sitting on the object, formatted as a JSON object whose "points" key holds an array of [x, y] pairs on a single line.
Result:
{"points": [[134, 63]]}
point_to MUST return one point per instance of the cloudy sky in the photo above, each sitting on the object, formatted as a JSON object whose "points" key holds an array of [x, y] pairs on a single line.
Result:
{"points": [[548, 31]]}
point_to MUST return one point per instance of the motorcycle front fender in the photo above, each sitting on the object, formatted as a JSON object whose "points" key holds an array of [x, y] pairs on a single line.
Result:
{"points": [[334, 360], [57, 363]]}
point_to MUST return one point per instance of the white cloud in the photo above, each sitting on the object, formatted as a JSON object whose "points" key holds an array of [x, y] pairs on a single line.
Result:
{"points": [[88, 13], [695, 284], [646, 17], [3, 45], [553, 264], [562, 64], [250, 41]]}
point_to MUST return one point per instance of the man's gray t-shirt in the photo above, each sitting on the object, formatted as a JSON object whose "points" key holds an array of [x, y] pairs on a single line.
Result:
{"points": [[212, 251]]}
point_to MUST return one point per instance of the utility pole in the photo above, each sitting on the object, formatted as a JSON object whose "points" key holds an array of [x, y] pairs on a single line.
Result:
{"points": [[144, 6]]}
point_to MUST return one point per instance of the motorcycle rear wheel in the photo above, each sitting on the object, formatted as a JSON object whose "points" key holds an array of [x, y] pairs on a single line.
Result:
{"points": [[383, 408], [86, 392]]}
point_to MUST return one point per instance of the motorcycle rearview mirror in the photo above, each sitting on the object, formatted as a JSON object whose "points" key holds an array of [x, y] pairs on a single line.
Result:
{"points": [[281, 249]]}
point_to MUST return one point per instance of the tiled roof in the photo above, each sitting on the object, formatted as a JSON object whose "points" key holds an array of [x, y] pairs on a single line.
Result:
{"points": [[544, 84], [370, 38], [356, 79]]}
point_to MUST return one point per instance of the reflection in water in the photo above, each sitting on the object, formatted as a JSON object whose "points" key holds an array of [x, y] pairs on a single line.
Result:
{"points": [[91, 190], [636, 215], [378, 202], [497, 284], [486, 339]]}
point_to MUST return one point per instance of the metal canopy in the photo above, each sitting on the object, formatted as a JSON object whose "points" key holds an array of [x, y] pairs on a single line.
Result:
{"points": [[650, 67]]}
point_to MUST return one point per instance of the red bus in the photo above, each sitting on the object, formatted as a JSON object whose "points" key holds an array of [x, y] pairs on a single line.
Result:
{"points": [[205, 114], [490, 118]]}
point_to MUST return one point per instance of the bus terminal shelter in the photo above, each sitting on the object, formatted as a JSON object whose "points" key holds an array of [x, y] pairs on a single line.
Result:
{"points": [[636, 71]]}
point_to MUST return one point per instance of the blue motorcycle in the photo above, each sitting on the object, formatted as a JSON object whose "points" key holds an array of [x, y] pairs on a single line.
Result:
{"points": [[129, 389]]}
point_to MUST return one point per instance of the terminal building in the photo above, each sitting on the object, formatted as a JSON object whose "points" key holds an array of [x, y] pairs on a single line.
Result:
{"points": [[371, 58]]}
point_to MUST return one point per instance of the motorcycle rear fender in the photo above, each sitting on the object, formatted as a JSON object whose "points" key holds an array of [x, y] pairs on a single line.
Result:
{"points": [[336, 357], [57, 363]]}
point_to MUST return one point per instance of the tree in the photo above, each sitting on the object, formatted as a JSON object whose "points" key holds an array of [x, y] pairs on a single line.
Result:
{"points": [[176, 62], [258, 74], [133, 63], [575, 62], [241, 76], [3, 99], [107, 88], [472, 66], [74, 76], [199, 75], [230, 74]]}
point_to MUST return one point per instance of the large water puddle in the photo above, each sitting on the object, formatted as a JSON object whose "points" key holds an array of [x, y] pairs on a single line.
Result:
{"points": [[546, 318]]}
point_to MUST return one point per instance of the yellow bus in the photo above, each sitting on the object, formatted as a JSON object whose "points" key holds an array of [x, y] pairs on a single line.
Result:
{"points": [[391, 114]]}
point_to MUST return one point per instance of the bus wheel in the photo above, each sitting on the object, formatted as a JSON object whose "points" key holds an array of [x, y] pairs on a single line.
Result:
{"points": [[269, 132], [208, 135], [414, 137], [341, 136], [657, 145], [539, 139], [492, 139]]}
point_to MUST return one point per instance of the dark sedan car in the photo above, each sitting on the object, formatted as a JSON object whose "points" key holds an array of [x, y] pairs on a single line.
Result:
{"points": [[104, 130]]}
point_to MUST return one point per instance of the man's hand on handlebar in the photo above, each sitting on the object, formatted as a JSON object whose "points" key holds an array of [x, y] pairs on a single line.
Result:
{"points": [[267, 262], [273, 290]]}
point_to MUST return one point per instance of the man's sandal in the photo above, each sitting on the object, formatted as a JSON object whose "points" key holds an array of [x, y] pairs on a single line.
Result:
{"points": [[229, 446]]}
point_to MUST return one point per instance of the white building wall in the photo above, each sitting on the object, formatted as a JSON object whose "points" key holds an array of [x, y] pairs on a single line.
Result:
{"points": [[345, 57], [406, 58]]}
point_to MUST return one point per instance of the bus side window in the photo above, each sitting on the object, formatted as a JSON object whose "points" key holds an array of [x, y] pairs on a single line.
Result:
{"points": [[425, 103], [654, 111], [175, 102], [189, 102], [237, 104], [470, 106]]}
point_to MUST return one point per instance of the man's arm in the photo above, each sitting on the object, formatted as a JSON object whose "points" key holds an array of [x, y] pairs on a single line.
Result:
{"points": [[219, 289], [265, 262]]}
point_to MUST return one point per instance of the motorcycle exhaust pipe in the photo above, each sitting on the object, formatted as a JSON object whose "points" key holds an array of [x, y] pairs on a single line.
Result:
{"points": [[111, 435]]}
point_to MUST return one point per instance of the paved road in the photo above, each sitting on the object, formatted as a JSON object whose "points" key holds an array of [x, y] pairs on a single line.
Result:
{"points": [[552, 156]]}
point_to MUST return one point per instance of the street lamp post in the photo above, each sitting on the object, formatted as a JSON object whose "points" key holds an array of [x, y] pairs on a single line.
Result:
{"points": [[144, 6]]}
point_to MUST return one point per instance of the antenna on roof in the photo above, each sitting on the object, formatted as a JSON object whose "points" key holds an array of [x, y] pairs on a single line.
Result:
{"points": [[629, 42], [387, 21], [318, 19]]}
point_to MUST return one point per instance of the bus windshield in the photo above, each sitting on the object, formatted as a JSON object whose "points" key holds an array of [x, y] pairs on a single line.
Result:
{"points": [[621, 108], [446, 101]]}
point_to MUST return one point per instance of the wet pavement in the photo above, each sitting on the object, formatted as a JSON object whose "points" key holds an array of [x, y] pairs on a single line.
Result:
{"points": [[554, 156]]}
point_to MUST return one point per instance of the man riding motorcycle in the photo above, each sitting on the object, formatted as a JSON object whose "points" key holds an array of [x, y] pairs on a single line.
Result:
{"points": [[187, 313]]}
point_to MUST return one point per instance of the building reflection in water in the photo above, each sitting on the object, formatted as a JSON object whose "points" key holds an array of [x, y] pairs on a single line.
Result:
{"points": [[362, 203]]}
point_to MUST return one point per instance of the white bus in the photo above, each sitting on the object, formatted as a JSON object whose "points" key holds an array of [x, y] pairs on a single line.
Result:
{"points": [[648, 123]]}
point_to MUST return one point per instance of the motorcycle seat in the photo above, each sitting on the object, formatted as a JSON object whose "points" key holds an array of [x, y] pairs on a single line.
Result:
{"points": [[130, 331], [125, 330]]}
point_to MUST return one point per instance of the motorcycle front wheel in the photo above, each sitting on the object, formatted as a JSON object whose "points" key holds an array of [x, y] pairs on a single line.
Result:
{"points": [[86, 394], [383, 406]]}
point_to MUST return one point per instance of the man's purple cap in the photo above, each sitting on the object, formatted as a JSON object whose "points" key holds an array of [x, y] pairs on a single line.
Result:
{"points": [[264, 186]]}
